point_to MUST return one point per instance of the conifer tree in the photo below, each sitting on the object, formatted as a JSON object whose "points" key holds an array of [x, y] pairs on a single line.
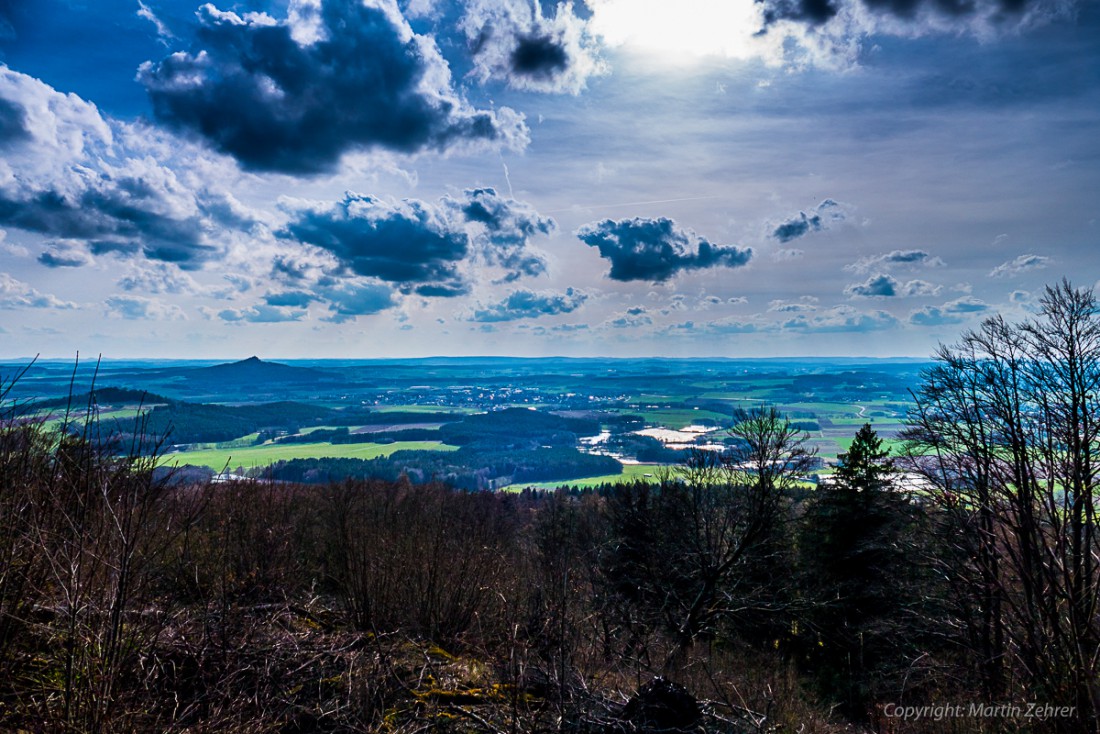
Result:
{"points": [[858, 575]]}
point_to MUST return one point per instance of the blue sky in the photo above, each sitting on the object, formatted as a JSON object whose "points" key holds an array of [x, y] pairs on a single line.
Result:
{"points": [[368, 178]]}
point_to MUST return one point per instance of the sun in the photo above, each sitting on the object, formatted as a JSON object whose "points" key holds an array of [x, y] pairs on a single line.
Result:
{"points": [[684, 29]]}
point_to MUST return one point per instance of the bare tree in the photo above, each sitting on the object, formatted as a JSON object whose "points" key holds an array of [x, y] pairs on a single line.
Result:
{"points": [[1005, 433]]}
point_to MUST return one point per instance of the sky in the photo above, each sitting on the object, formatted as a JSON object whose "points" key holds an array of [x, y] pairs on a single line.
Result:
{"points": [[403, 178]]}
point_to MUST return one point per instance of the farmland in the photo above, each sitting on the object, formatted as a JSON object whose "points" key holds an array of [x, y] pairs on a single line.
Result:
{"points": [[477, 422], [252, 457]]}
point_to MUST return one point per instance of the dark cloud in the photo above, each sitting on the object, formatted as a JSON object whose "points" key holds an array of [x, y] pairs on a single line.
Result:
{"points": [[76, 176], [656, 249], [419, 246], [530, 305], [539, 57], [818, 12], [296, 299], [877, 286], [13, 123], [886, 286], [514, 41], [410, 243], [802, 224], [508, 226], [350, 300], [115, 216], [345, 300], [294, 96], [813, 12]]}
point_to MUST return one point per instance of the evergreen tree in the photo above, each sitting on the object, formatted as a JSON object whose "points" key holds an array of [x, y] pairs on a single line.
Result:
{"points": [[858, 575]]}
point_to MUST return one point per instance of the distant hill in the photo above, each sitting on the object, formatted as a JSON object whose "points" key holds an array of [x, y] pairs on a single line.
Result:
{"points": [[255, 369]]}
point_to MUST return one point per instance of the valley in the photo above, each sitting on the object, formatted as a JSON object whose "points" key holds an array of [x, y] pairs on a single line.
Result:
{"points": [[479, 423]]}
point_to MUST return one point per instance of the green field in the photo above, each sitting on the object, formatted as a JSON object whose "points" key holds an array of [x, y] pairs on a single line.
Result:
{"points": [[677, 418], [631, 473], [257, 456]]}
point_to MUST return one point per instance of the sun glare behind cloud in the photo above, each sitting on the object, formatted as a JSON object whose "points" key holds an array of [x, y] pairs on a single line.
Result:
{"points": [[684, 31]]}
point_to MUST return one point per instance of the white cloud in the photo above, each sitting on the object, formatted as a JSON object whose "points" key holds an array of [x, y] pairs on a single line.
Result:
{"points": [[15, 294]]}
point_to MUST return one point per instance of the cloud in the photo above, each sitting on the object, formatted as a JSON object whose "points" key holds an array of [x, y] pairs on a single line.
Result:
{"points": [[65, 254], [841, 319], [146, 13], [965, 305], [915, 288], [911, 258], [294, 299], [952, 312], [819, 218], [419, 246], [933, 316], [513, 41], [718, 327], [346, 299], [1020, 265], [781, 306], [882, 285], [525, 304], [303, 265], [503, 228], [350, 300], [912, 17], [139, 308], [294, 95], [16, 294], [629, 319], [158, 278], [68, 172], [877, 286], [408, 242], [262, 314], [656, 249]]}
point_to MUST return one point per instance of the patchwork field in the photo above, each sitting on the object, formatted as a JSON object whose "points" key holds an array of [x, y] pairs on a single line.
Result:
{"points": [[252, 414], [264, 455]]}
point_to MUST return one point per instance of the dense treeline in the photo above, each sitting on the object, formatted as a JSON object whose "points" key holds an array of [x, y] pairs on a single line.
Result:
{"points": [[185, 423], [128, 604], [479, 466]]}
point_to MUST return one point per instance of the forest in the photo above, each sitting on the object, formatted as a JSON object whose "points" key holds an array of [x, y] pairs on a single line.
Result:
{"points": [[958, 575]]}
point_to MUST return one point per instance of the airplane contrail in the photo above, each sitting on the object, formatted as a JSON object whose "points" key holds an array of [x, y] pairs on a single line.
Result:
{"points": [[633, 203]]}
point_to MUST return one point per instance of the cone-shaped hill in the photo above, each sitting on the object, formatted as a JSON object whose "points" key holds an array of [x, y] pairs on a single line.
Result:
{"points": [[255, 370]]}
